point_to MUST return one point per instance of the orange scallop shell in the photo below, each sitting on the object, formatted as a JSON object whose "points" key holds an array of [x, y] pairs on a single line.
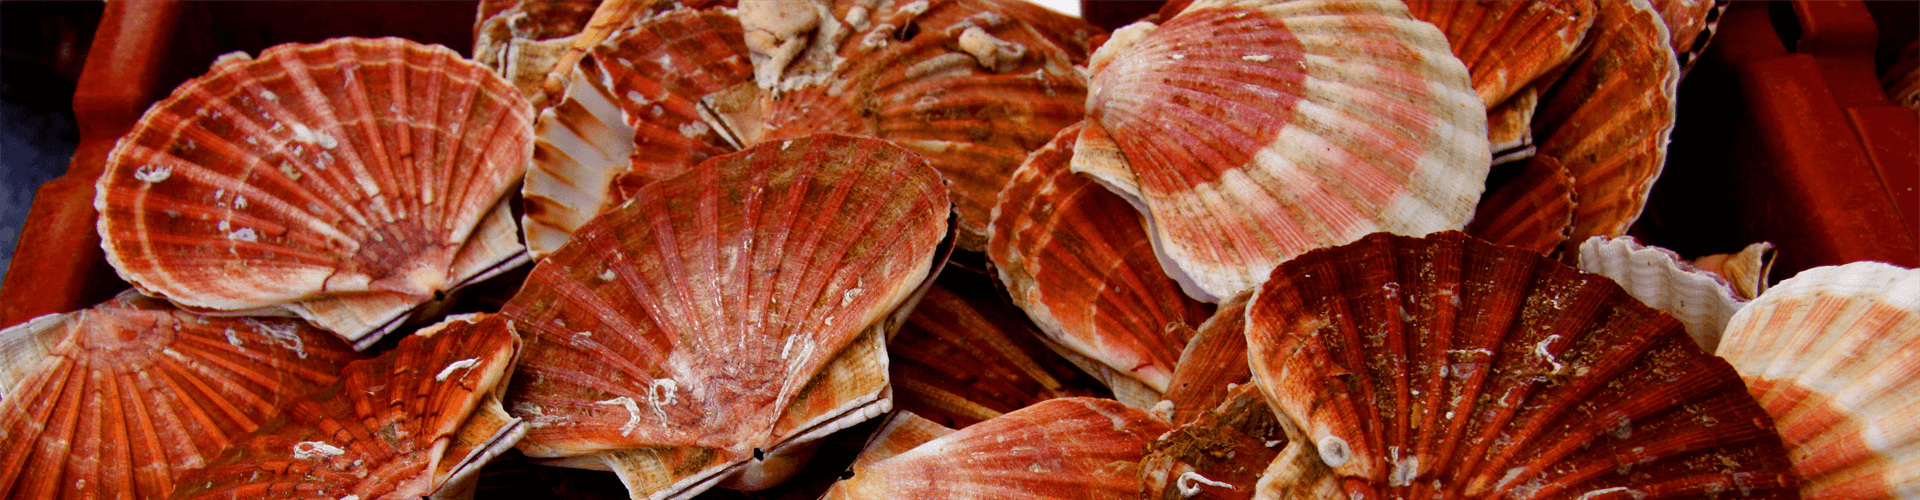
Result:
{"points": [[1076, 258], [1533, 209], [351, 180], [1609, 118], [415, 422], [965, 356], [1214, 361], [645, 105], [727, 315], [1832, 355], [1066, 448], [1506, 45], [1250, 132], [1448, 367], [129, 395], [1220, 454], [1690, 23]]}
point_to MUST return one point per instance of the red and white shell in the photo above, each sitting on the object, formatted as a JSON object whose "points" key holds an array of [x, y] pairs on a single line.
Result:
{"points": [[1250, 132], [1448, 367], [965, 355], [121, 400], [1067, 448], [728, 315], [416, 422], [1076, 258], [1832, 353], [346, 182], [1701, 300]]}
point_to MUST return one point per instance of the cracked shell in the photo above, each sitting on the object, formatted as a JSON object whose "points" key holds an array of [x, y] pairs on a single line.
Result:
{"points": [[415, 422], [1250, 132], [727, 316], [1448, 367], [1831, 353], [120, 400], [346, 182]]}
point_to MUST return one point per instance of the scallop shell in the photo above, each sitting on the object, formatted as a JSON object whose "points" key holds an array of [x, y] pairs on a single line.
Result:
{"points": [[1510, 127], [1609, 118], [1506, 45], [415, 422], [1746, 270], [1219, 455], [1075, 257], [119, 400], [1701, 300], [1691, 24], [1831, 353], [965, 356], [1250, 132], [1451, 367], [1059, 449], [353, 180], [727, 315], [521, 39], [1214, 361], [643, 106], [1532, 210]]}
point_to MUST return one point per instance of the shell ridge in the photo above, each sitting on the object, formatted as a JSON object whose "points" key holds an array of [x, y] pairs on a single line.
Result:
{"points": [[355, 172]]}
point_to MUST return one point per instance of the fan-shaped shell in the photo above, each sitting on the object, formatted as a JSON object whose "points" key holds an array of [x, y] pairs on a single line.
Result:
{"points": [[1214, 361], [345, 181], [1658, 277], [1249, 132], [414, 422], [965, 356], [1609, 118], [1690, 24], [1076, 258], [120, 400], [1831, 353], [1746, 270], [1448, 367], [1533, 209], [645, 105], [728, 313], [521, 39], [1220, 454], [1058, 449], [1506, 45]]}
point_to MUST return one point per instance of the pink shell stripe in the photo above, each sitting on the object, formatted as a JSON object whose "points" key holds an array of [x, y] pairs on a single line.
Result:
{"points": [[382, 431], [136, 394], [692, 316], [1251, 132], [1076, 258], [348, 166], [1448, 367], [667, 71], [1067, 448]]}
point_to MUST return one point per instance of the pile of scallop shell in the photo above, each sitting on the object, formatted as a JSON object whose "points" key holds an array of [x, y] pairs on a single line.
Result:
{"points": [[950, 249]]}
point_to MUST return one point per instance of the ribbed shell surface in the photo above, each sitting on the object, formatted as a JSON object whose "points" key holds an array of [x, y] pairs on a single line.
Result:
{"points": [[133, 394], [1834, 355], [1078, 260], [1506, 45], [1701, 300], [727, 312], [1447, 367], [352, 167], [1059, 449], [1531, 210], [964, 356], [1250, 132], [1609, 119], [384, 430]]}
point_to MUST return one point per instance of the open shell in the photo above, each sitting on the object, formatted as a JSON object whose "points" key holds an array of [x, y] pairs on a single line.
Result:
{"points": [[1701, 300], [415, 422], [728, 315], [1059, 449], [347, 182], [1609, 118], [1831, 353], [1250, 132], [965, 356], [120, 400], [1448, 367], [1076, 258]]}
